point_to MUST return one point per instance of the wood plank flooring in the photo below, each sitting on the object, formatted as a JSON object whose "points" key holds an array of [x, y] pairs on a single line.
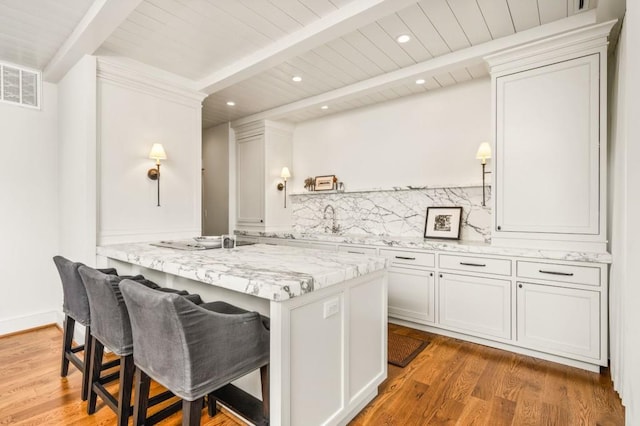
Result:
{"points": [[450, 382]]}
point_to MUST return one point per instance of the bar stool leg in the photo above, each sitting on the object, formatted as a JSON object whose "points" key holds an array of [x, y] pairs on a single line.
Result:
{"points": [[127, 369], [143, 383], [86, 366], [264, 381], [67, 338], [97, 350], [191, 412]]}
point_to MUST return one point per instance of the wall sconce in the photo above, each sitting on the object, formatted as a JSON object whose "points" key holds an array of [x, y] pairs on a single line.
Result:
{"points": [[484, 152], [284, 174], [157, 153]]}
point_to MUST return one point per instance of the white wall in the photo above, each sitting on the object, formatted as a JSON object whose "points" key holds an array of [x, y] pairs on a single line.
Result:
{"points": [[424, 139], [31, 293], [215, 185], [76, 158], [625, 211], [134, 112]]}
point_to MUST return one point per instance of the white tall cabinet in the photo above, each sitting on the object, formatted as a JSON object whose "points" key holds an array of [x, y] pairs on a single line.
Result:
{"points": [[550, 142], [263, 148]]}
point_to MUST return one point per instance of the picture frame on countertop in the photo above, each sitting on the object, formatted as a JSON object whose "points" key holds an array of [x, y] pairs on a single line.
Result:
{"points": [[324, 183], [443, 223]]}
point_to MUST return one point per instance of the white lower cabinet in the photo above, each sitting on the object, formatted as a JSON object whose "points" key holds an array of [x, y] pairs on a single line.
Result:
{"points": [[481, 306], [563, 321], [411, 294], [553, 309]]}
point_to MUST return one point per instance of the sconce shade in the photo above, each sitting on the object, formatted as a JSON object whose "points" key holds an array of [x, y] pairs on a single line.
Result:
{"points": [[484, 151], [157, 152], [285, 174]]}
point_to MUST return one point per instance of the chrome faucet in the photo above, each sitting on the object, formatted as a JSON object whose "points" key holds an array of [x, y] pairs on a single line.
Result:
{"points": [[335, 228]]}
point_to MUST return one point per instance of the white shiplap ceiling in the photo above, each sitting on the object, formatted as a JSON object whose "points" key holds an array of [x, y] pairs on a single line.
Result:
{"points": [[31, 31], [248, 50]]}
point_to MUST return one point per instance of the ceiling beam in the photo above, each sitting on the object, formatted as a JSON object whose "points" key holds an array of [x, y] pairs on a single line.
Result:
{"points": [[102, 18], [344, 20], [445, 63]]}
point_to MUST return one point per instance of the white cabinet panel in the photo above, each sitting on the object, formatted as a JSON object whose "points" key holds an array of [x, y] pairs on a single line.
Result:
{"points": [[559, 320], [547, 149], [411, 294], [485, 265], [585, 275], [250, 180], [409, 258], [358, 250], [478, 305]]}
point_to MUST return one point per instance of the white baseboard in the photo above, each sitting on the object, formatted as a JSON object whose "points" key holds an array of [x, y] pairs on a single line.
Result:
{"points": [[15, 324]]}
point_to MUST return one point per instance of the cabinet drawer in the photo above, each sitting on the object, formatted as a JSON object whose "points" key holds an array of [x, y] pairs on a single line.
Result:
{"points": [[403, 257], [587, 275], [484, 265], [357, 250]]}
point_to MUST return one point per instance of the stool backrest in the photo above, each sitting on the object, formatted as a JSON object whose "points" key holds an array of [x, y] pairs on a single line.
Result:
{"points": [[75, 302], [109, 317], [188, 349]]}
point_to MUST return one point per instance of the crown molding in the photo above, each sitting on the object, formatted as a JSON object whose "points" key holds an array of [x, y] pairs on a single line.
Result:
{"points": [[147, 81]]}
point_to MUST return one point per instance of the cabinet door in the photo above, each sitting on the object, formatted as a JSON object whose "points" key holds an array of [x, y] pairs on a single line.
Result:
{"points": [[479, 306], [411, 294], [250, 180], [547, 149], [563, 321]]}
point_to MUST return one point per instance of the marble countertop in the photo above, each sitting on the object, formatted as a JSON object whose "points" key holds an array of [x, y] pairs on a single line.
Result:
{"points": [[439, 245], [270, 272]]}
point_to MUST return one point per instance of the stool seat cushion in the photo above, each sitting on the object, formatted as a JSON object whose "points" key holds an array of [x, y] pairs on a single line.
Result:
{"points": [[192, 349]]}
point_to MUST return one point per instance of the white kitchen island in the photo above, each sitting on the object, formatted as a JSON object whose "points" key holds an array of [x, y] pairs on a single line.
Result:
{"points": [[328, 315]]}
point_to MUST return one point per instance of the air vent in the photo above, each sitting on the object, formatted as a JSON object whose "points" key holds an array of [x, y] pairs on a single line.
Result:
{"points": [[19, 86]]}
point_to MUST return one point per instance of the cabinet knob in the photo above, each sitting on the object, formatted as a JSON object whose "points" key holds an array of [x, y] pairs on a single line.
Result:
{"points": [[261, 220], [440, 275], [431, 274], [499, 227], [520, 285]]}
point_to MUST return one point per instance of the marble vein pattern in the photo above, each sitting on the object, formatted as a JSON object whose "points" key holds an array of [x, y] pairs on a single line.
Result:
{"points": [[436, 245], [270, 272], [400, 211]]}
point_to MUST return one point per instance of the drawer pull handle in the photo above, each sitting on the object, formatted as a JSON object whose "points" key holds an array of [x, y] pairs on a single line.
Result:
{"points": [[481, 265], [405, 258], [565, 274], [355, 252]]}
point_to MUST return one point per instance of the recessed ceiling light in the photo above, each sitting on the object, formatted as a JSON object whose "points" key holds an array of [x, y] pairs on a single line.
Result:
{"points": [[403, 38], [324, 107], [296, 78], [420, 81], [231, 103]]}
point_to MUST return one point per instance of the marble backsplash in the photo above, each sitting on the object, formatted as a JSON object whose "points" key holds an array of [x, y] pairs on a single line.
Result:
{"points": [[399, 211]]}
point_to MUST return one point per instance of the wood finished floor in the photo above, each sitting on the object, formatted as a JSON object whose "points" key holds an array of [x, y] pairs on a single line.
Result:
{"points": [[450, 382]]}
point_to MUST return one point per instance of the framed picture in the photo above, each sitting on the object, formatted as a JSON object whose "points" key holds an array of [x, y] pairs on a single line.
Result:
{"points": [[324, 183], [443, 222]]}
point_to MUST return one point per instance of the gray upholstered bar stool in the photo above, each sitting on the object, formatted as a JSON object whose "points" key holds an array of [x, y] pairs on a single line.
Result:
{"points": [[194, 350], [76, 309], [111, 328]]}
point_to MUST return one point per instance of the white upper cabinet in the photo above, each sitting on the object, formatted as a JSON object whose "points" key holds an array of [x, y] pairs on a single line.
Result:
{"points": [[547, 149], [250, 179], [550, 145], [263, 148]]}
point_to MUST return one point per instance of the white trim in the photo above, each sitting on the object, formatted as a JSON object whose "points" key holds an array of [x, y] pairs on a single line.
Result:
{"points": [[148, 82], [25, 322]]}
